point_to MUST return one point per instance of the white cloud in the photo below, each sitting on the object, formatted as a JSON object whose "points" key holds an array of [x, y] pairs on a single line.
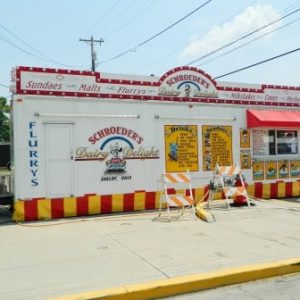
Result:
{"points": [[250, 19]]}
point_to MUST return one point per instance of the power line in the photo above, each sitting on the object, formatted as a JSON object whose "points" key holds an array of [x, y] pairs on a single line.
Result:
{"points": [[244, 36], [250, 42], [258, 63], [116, 17], [24, 42], [104, 16], [290, 7], [18, 38], [157, 34], [21, 49], [41, 56], [183, 46], [6, 86], [132, 19]]}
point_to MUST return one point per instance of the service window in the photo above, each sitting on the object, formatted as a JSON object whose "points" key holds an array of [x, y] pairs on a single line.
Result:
{"points": [[287, 142], [275, 142]]}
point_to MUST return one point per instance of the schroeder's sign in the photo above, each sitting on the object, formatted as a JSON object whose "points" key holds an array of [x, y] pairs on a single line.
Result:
{"points": [[187, 82]]}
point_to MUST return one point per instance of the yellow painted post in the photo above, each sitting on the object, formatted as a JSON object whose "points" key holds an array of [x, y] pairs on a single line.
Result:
{"points": [[70, 207], [139, 200], [250, 190], [218, 195], [296, 189], [117, 203], [281, 189], [157, 199], [199, 194], [94, 205], [266, 194], [19, 213], [44, 209]]}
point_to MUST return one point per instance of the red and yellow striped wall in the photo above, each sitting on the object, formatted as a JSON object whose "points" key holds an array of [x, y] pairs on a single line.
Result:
{"points": [[47, 209], [274, 190]]}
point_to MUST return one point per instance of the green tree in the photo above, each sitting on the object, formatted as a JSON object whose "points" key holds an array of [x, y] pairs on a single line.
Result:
{"points": [[4, 120]]}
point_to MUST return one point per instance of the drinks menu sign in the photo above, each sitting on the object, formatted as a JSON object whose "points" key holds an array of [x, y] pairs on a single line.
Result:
{"points": [[181, 148]]}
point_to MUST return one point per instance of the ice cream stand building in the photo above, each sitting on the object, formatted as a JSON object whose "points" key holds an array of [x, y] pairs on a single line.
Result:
{"points": [[93, 143]]}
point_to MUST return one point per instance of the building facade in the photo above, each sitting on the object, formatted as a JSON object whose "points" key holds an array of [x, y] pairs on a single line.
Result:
{"points": [[91, 143]]}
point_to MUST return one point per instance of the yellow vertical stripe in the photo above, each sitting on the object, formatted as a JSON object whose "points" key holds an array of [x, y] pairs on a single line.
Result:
{"points": [[250, 190], [281, 190], [70, 207], [94, 205], [19, 213], [199, 194], [44, 209], [158, 194], [218, 195], [139, 200], [117, 203], [296, 189], [266, 192]]}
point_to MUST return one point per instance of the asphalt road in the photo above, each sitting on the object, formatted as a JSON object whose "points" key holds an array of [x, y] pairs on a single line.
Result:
{"points": [[41, 260], [277, 288]]}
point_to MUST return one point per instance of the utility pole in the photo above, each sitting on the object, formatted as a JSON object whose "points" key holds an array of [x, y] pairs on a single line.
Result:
{"points": [[91, 42]]}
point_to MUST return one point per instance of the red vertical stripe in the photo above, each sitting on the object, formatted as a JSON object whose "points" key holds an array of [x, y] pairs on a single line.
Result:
{"points": [[171, 191], [206, 191], [258, 189], [57, 208], [128, 202], [82, 206], [150, 200], [274, 189], [187, 192], [106, 204], [223, 195], [30, 210], [288, 189]]}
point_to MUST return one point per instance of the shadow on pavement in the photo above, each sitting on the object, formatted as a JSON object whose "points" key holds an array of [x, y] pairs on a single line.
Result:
{"points": [[5, 215]]}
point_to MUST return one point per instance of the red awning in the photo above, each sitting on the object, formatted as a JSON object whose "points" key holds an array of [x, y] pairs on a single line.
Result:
{"points": [[273, 118]]}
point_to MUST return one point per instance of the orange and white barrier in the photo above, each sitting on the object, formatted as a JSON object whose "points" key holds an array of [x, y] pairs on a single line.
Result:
{"points": [[180, 200], [176, 178], [228, 170]]}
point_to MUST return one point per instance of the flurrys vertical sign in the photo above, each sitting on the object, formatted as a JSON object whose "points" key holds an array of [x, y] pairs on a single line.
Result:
{"points": [[33, 154]]}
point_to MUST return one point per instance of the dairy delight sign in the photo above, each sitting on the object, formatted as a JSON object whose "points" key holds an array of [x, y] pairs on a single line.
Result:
{"points": [[116, 147]]}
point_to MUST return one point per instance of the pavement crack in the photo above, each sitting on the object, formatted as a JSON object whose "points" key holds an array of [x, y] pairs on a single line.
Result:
{"points": [[257, 236], [139, 256]]}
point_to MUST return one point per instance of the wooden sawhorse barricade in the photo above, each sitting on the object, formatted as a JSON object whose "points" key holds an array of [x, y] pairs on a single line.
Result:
{"points": [[181, 184], [223, 180]]}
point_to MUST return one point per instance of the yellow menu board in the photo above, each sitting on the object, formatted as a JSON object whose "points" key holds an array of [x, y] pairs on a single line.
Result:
{"points": [[283, 169], [181, 148], [244, 138], [295, 168], [271, 169], [216, 146], [245, 159], [258, 170]]}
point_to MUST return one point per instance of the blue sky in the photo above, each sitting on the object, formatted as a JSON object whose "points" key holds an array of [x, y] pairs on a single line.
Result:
{"points": [[46, 33]]}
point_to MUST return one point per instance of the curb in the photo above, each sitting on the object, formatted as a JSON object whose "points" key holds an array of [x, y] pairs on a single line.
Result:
{"points": [[191, 283]]}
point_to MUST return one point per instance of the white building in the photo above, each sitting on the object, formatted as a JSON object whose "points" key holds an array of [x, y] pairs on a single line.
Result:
{"points": [[91, 143]]}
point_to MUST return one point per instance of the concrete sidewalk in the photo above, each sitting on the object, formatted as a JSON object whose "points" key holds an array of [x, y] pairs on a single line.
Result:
{"points": [[49, 259]]}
